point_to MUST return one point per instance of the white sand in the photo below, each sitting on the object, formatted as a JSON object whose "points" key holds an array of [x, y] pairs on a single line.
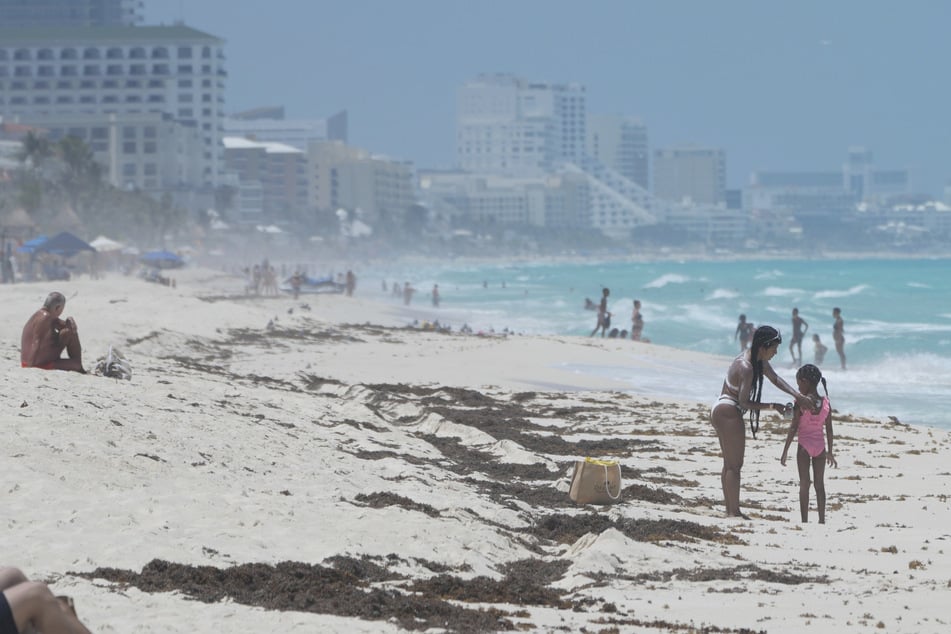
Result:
{"points": [[225, 450]]}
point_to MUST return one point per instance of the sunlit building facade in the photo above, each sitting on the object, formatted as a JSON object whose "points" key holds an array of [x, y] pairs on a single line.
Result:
{"points": [[620, 143], [506, 124], [148, 151], [276, 170], [693, 175], [344, 177], [168, 70]]}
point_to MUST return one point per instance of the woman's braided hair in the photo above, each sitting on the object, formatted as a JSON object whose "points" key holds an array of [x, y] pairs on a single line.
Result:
{"points": [[764, 337]]}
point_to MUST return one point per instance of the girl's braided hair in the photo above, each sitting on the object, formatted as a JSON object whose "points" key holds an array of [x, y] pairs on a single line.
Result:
{"points": [[814, 375]]}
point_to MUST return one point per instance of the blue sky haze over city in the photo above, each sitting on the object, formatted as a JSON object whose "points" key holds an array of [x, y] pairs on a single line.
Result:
{"points": [[779, 86]]}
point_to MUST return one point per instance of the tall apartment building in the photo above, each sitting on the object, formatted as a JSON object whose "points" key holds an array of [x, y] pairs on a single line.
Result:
{"points": [[275, 172], [58, 73], [620, 143], [692, 174], [27, 13], [506, 124], [345, 177]]}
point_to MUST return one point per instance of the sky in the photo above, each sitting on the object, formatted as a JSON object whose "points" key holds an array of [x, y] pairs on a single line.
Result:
{"points": [[777, 85]]}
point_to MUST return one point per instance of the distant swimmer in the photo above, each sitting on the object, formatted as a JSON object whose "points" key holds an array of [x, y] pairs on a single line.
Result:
{"points": [[744, 333], [820, 350], [637, 321], [604, 317], [45, 336], [838, 334], [799, 328]]}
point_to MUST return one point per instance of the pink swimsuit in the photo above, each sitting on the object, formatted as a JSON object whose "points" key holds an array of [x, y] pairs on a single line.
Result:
{"points": [[811, 429]]}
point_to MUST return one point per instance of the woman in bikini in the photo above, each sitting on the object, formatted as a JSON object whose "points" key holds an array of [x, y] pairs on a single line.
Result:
{"points": [[740, 394]]}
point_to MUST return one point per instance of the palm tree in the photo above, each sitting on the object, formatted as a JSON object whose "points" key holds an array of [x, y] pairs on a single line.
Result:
{"points": [[81, 180], [36, 150]]}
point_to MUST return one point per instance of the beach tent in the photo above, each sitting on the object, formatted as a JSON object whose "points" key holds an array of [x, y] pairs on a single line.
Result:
{"points": [[162, 259], [104, 244], [30, 245], [65, 244]]}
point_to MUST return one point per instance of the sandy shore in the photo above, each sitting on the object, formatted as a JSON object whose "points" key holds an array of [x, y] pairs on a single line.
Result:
{"points": [[339, 472]]}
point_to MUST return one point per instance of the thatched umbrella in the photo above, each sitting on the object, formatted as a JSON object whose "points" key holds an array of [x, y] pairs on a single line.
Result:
{"points": [[17, 223], [66, 220]]}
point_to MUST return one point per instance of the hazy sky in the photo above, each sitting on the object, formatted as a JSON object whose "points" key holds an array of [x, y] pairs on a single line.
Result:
{"points": [[778, 85]]}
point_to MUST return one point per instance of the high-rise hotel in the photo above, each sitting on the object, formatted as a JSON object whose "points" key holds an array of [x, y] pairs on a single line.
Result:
{"points": [[147, 99], [506, 124]]}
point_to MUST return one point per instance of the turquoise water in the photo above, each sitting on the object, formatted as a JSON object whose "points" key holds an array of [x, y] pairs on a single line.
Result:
{"points": [[897, 315]]}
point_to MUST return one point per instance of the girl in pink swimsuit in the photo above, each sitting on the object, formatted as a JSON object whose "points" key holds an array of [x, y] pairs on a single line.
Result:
{"points": [[812, 446]]}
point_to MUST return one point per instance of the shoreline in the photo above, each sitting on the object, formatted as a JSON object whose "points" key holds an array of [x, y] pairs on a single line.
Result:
{"points": [[396, 471]]}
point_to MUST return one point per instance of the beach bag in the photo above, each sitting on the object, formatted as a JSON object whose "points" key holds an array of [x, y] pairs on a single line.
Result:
{"points": [[595, 482]]}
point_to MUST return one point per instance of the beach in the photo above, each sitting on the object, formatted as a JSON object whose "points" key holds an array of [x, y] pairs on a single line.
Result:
{"points": [[316, 465]]}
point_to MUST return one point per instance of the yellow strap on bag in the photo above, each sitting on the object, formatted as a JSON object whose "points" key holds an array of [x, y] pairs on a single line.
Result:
{"points": [[601, 463]]}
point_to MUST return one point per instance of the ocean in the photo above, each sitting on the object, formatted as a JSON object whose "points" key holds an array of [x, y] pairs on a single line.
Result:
{"points": [[897, 315]]}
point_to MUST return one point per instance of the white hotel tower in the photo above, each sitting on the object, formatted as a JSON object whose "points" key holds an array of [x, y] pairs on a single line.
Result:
{"points": [[511, 125]]}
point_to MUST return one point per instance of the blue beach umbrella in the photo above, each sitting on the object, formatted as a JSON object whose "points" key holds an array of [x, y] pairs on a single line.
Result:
{"points": [[64, 244], [30, 245], [162, 259]]}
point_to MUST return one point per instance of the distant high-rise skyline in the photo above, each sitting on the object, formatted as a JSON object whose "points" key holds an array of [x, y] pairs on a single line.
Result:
{"points": [[712, 74], [40, 13]]}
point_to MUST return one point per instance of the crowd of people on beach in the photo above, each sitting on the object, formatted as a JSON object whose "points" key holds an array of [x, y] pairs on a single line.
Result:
{"points": [[261, 279]]}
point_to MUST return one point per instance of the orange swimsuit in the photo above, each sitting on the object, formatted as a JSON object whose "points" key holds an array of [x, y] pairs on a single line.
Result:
{"points": [[45, 366]]}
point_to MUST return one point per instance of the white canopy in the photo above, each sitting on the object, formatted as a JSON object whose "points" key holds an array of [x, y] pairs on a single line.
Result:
{"points": [[103, 244]]}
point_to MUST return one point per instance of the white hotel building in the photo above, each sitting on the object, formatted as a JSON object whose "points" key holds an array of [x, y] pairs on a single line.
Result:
{"points": [[506, 124], [78, 80]]}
